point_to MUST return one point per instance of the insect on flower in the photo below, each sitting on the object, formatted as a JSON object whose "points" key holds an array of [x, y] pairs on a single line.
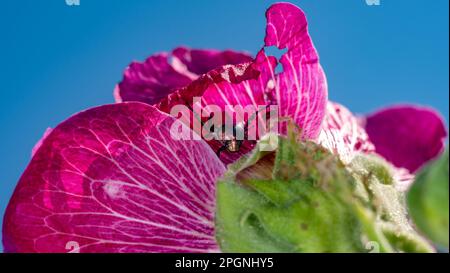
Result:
{"points": [[134, 177], [232, 135]]}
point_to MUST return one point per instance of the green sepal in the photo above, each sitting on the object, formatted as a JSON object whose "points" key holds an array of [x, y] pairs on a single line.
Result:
{"points": [[301, 198]]}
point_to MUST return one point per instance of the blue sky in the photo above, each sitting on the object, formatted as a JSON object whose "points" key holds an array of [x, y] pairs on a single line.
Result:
{"points": [[57, 60]]}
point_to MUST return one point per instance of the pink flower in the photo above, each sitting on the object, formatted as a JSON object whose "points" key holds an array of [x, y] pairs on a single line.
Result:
{"points": [[407, 136], [300, 91], [112, 178], [163, 73]]}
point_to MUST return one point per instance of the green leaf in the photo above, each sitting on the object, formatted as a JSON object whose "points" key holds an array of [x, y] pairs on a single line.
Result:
{"points": [[428, 201]]}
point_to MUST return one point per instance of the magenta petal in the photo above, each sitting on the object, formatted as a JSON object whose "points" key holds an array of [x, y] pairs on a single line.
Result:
{"points": [[151, 80], [300, 91], [342, 134], [39, 143], [225, 78], [408, 136], [199, 61], [112, 179], [163, 73]]}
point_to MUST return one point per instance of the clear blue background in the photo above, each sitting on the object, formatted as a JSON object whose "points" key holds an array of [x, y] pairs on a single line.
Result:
{"points": [[57, 60]]}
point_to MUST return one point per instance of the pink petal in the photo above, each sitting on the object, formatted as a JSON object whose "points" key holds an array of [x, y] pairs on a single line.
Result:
{"points": [[39, 143], [300, 91], [202, 61], [230, 76], [403, 178], [151, 81], [112, 179], [408, 136], [163, 73], [342, 134]]}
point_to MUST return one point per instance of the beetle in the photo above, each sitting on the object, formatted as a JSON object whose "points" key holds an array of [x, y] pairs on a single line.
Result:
{"points": [[230, 142], [228, 138]]}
